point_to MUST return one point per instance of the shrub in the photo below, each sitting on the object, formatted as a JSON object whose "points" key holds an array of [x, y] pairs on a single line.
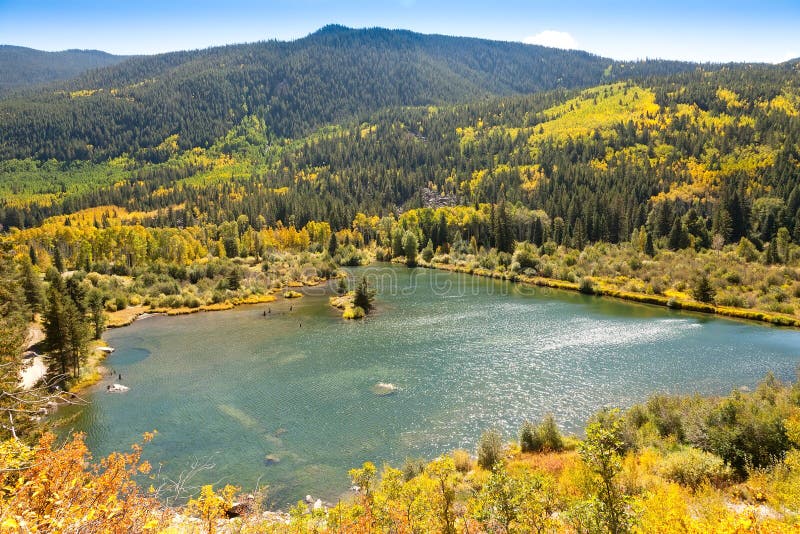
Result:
{"points": [[586, 286], [731, 299], [525, 255], [747, 250], [528, 438], [490, 449], [356, 312], [542, 437], [462, 460], [746, 431], [191, 301], [427, 252], [693, 467], [413, 467]]}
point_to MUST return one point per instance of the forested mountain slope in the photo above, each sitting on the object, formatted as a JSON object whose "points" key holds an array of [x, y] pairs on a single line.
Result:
{"points": [[25, 67], [605, 160], [332, 75]]}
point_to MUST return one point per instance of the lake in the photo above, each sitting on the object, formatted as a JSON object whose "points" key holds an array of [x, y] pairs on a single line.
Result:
{"points": [[466, 354]]}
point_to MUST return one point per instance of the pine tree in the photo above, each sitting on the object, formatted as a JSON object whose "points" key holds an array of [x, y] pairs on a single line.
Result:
{"points": [[333, 244], [32, 286], [397, 243], [771, 256], [95, 302], [58, 261], [234, 279], [578, 235], [66, 332], [14, 418], [503, 241], [56, 330], [363, 296], [703, 291], [649, 248], [678, 237]]}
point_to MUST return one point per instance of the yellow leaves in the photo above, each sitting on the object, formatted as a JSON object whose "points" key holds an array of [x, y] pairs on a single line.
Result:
{"points": [[598, 110], [84, 93], [366, 131], [787, 103], [730, 98], [530, 176], [477, 180], [9, 523], [792, 425], [61, 491], [211, 505], [144, 467], [170, 144]]}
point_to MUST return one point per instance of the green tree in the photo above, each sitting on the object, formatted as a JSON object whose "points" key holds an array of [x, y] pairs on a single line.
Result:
{"points": [[13, 331], [397, 243], [77, 291], [341, 288], [333, 244], [58, 261], [601, 451], [410, 247], [427, 252], [678, 236], [364, 295], [771, 255], [703, 291], [66, 332], [490, 449], [32, 286], [649, 248], [95, 303], [503, 239], [234, 278], [542, 437]]}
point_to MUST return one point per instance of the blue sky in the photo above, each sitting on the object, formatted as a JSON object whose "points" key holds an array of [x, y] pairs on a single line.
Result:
{"points": [[693, 30]]}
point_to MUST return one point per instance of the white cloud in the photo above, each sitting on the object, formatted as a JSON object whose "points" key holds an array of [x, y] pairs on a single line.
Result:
{"points": [[552, 38]]}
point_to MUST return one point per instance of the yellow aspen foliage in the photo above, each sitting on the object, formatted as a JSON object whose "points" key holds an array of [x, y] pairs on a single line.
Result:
{"points": [[211, 506], [62, 491]]}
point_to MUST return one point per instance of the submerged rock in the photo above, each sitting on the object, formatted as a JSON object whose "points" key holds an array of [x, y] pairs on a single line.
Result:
{"points": [[384, 388], [271, 459]]}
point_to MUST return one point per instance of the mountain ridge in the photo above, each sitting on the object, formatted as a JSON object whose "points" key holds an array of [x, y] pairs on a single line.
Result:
{"points": [[22, 67], [329, 76]]}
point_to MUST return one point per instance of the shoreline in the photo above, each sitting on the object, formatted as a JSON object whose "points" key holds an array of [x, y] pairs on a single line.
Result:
{"points": [[773, 319], [131, 314], [94, 370]]}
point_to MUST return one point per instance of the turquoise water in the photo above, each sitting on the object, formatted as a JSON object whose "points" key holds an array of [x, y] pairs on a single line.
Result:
{"points": [[466, 353]]}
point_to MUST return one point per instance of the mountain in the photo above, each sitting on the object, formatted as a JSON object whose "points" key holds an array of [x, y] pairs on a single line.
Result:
{"points": [[722, 144], [22, 67], [332, 75]]}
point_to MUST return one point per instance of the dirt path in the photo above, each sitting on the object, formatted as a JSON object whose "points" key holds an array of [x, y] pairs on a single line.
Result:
{"points": [[35, 371], [35, 335]]}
